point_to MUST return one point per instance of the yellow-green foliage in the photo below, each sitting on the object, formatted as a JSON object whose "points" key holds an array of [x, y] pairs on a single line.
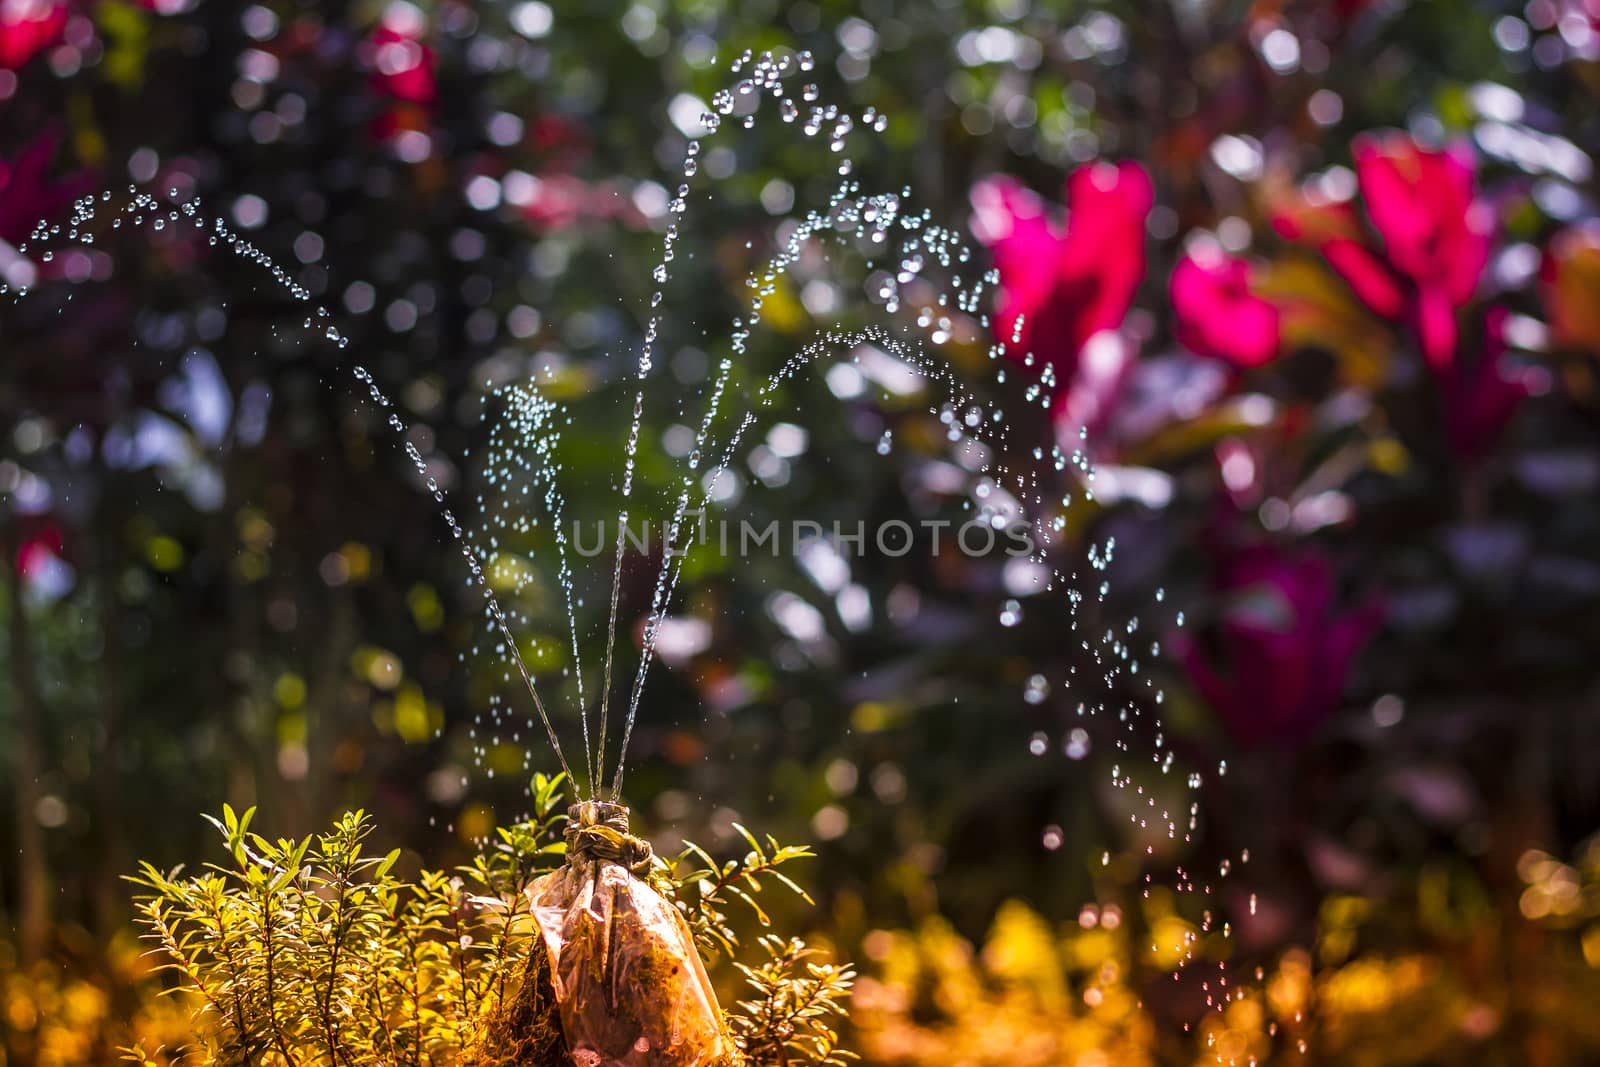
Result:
{"points": [[1032, 996], [80, 1006], [796, 1004], [314, 952], [1037, 994]]}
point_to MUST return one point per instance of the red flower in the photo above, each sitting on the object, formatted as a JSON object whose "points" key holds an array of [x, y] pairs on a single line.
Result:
{"points": [[1480, 398], [1570, 286], [1435, 231], [27, 194], [28, 27], [1065, 283], [1284, 650], [1216, 313], [402, 65]]}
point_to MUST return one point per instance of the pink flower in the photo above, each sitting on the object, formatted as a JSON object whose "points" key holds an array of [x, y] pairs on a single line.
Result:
{"points": [[1281, 651], [28, 27], [1065, 283], [27, 193], [1480, 398], [1435, 235], [402, 65], [1435, 231], [1216, 313]]}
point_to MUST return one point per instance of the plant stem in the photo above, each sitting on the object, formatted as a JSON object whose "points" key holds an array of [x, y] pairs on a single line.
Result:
{"points": [[271, 997]]}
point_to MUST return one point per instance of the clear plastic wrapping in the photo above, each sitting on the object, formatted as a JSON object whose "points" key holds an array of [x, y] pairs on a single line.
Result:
{"points": [[628, 981]]}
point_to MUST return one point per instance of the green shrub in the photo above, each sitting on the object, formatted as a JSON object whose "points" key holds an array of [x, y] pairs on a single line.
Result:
{"points": [[313, 952]]}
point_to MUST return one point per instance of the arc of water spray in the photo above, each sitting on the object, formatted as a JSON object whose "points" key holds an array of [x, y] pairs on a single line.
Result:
{"points": [[671, 565], [667, 581], [1026, 483], [565, 577]]}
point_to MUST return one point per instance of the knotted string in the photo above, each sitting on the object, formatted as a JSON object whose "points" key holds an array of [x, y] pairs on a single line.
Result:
{"points": [[597, 831]]}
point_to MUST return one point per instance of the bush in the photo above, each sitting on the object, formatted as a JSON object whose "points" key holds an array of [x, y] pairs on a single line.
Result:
{"points": [[315, 951]]}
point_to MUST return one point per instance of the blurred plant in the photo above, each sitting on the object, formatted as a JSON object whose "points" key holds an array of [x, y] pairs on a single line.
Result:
{"points": [[66, 1013], [403, 66], [1571, 287], [405, 71], [1564, 896], [1463, 985], [1284, 648], [1033, 997], [417, 166], [1482, 394]]}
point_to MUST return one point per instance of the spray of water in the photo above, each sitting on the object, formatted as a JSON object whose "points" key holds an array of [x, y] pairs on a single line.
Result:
{"points": [[924, 280]]}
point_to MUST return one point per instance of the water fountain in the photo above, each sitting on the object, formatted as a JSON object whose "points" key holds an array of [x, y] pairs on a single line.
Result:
{"points": [[921, 283]]}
